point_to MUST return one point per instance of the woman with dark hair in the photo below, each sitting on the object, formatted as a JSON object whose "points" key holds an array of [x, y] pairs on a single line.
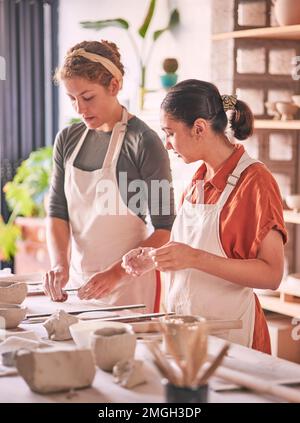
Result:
{"points": [[99, 164], [229, 233]]}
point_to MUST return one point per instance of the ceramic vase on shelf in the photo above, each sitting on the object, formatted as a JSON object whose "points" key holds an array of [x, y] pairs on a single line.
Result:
{"points": [[170, 66], [287, 12]]}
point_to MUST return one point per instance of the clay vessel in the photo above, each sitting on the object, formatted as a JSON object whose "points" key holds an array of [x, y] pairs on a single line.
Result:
{"points": [[110, 345], [11, 315], [12, 292]]}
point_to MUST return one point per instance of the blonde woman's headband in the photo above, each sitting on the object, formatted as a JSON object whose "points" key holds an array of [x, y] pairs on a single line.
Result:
{"points": [[108, 64]]}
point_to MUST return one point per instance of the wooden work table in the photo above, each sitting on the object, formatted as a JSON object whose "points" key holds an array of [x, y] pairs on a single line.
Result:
{"points": [[104, 390]]}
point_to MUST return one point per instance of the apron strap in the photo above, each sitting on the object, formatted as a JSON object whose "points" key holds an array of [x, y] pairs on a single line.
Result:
{"points": [[78, 147], [244, 162], [116, 140]]}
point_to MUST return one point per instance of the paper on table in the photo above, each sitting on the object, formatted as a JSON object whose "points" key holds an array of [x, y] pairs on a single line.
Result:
{"points": [[14, 343]]}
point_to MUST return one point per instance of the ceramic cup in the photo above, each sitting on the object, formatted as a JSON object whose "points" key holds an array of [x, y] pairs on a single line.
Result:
{"points": [[110, 345], [179, 330], [181, 394]]}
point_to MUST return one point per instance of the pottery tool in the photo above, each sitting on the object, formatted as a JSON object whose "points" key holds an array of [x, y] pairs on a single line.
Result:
{"points": [[37, 289], [108, 308], [204, 376], [134, 317], [257, 384]]}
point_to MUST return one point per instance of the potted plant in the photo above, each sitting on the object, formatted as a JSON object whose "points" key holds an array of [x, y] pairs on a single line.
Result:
{"points": [[170, 66], [25, 196], [143, 55]]}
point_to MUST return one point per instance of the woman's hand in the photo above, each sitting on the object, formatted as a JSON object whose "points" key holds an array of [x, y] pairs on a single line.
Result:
{"points": [[99, 285], [138, 261], [54, 281], [173, 256]]}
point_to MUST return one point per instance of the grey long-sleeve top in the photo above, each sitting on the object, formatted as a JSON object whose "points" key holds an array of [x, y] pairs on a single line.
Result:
{"points": [[142, 157]]}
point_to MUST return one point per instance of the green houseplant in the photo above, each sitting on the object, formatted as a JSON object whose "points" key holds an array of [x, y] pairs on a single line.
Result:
{"points": [[25, 196], [143, 55]]}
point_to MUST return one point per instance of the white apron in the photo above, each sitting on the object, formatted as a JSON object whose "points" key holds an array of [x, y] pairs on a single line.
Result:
{"points": [[103, 229], [195, 292]]}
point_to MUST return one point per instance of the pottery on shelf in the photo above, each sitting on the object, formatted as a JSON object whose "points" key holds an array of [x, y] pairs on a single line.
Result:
{"points": [[287, 12], [110, 345], [11, 315], [296, 99], [271, 109], [293, 202], [170, 66], [287, 109], [12, 292]]}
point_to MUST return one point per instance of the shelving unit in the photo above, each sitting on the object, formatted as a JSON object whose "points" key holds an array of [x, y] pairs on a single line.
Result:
{"points": [[234, 43], [291, 216], [275, 304], [290, 32], [292, 125]]}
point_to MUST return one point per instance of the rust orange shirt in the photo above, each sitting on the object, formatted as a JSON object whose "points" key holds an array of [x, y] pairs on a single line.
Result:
{"points": [[253, 208]]}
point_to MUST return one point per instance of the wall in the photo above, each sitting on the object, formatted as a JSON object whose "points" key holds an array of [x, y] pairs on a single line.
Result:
{"points": [[190, 43]]}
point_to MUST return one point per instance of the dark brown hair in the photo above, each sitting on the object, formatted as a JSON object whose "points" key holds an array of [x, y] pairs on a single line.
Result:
{"points": [[192, 99], [78, 66]]}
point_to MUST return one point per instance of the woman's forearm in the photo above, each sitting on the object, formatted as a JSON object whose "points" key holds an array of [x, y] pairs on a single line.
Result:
{"points": [[158, 238], [58, 242], [254, 273]]}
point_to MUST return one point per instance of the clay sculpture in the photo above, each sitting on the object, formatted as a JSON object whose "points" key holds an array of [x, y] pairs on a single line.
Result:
{"points": [[129, 373], [49, 370], [58, 325]]}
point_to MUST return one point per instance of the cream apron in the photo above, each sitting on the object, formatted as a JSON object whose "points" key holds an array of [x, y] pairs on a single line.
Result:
{"points": [[191, 291], [103, 229]]}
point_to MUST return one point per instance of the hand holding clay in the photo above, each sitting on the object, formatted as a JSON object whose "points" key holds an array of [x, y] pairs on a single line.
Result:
{"points": [[54, 281], [138, 261]]}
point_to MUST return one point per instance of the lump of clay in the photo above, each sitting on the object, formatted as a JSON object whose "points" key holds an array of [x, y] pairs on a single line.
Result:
{"points": [[58, 325], [50, 370], [129, 373], [138, 261]]}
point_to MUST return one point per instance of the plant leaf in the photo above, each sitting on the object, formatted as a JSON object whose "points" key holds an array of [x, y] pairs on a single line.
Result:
{"points": [[9, 234], [173, 22], [98, 25], [145, 25], [25, 193], [174, 19]]}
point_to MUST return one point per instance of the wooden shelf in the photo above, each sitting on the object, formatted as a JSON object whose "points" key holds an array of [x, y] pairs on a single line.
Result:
{"points": [[291, 216], [290, 32], [276, 305], [277, 124]]}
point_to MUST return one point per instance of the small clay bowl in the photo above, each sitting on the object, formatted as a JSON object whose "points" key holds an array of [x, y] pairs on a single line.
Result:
{"points": [[11, 315], [12, 292]]}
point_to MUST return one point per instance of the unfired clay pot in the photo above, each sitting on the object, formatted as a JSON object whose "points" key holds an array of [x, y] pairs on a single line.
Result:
{"points": [[287, 12], [12, 292], [287, 110], [179, 329], [110, 345], [11, 315]]}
